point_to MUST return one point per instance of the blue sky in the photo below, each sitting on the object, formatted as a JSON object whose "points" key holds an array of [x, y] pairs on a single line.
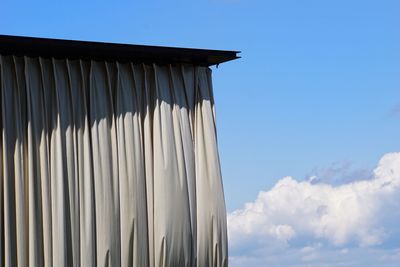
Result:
{"points": [[315, 94]]}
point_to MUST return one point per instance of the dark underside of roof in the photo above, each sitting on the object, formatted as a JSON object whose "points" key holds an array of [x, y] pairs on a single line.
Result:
{"points": [[57, 48]]}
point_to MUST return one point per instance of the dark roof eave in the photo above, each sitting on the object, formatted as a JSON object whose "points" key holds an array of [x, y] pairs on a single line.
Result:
{"points": [[58, 48]]}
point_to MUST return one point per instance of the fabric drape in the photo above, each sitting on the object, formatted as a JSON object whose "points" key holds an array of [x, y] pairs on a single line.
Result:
{"points": [[109, 164]]}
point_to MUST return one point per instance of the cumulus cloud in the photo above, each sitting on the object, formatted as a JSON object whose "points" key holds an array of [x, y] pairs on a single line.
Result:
{"points": [[319, 256], [362, 213]]}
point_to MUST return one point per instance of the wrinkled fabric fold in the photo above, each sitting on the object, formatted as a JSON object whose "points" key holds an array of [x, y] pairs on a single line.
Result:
{"points": [[109, 164]]}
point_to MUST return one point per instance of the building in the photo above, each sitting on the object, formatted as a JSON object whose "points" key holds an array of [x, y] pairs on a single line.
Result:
{"points": [[109, 155]]}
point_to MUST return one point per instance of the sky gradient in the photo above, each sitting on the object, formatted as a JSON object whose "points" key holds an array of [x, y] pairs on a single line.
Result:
{"points": [[315, 97]]}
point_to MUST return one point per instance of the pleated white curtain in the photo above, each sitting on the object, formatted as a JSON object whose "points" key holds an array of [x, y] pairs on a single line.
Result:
{"points": [[109, 164]]}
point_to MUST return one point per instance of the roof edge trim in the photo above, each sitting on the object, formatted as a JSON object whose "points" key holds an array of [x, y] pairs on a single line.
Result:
{"points": [[89, 50]]}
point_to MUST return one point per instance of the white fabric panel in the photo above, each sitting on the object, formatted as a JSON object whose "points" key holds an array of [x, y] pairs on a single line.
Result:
{"points": [[109, 164]]}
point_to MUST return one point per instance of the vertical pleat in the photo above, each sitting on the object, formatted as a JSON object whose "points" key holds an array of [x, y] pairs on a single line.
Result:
{"points": [[45, 174], [79, 75], [173, 236], [105, 167], [182, 97], [58, 169], [20, 163], [185, 98], [133, 208], [149, 100], [109, 164], [36, 161], [9, 115], [211, 221]]}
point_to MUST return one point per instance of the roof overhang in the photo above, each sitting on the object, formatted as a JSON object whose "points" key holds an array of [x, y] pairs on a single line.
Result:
{"points": [[58, 48]]}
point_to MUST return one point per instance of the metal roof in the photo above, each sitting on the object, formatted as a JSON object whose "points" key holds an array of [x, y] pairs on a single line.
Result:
{"points": [[58, 48]]}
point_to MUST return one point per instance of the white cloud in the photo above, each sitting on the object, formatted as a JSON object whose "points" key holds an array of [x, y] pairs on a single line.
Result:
{"points": [[319, 256], [360, 214]]}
